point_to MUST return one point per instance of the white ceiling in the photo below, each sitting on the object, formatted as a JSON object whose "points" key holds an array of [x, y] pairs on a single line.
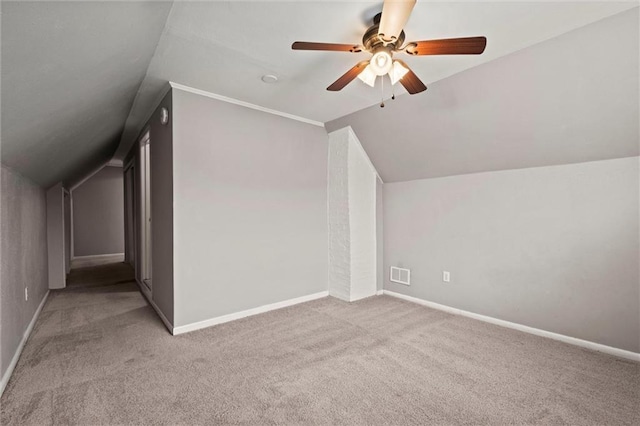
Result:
{"points": [[225, 47]]}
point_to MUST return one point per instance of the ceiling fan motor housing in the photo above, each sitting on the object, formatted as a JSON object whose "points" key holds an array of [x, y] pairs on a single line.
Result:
{"points": [[372, 41]]}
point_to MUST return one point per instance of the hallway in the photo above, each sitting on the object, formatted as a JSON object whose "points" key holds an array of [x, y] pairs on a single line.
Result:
{"points": [[89, 338]]}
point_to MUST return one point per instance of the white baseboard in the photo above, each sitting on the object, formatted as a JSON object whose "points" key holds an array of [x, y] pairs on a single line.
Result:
{"points": [[379, 292], [25, 337], [633, 356], [147, 295], [97, 256], [249, 312], [95, 260]]}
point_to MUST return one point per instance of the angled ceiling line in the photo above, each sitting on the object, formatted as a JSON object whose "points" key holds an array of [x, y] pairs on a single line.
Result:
{"points": [[122, 144], [244, 104]]}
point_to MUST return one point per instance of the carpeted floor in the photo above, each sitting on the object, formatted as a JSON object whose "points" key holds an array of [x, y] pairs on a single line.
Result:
{"points": [[100, 355]]}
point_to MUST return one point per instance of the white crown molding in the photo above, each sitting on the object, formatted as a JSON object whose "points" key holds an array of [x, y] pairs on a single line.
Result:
{"points": [[633, 356], [14, 361], [249, 312], [243, 103]]}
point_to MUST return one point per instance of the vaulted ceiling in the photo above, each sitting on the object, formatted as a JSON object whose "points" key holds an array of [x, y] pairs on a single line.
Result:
{"points": [[79, 78], [570, 99], [70, 72]]}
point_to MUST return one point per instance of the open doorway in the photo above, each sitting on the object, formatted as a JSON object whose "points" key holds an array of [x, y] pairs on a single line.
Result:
{"points": [[130, 217], [145, 208]]}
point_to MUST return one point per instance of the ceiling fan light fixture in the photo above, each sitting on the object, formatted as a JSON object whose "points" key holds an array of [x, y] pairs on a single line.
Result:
{"points": [[368, 76], [397, 72], [381, 62]]}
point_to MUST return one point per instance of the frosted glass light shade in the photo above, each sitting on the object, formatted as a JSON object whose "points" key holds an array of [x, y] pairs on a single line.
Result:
{"points": [[381, 62], [368, 76], [397, 72]]}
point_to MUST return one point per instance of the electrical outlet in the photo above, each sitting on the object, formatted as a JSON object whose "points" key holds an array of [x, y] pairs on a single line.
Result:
{"points": [[446, 276], [26, 294]]}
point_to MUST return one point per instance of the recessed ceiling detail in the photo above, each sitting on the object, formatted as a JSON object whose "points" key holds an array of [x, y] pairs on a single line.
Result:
{"points": [[269, 79]]}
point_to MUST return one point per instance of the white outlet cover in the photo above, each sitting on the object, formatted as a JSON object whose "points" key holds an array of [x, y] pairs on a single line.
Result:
{"points": [[446, 276]]}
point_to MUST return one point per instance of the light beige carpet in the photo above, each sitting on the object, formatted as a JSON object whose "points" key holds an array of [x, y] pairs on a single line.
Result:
{"points": [[99, 355]]}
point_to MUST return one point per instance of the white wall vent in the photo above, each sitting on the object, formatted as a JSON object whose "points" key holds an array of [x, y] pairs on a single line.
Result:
{"points": [[400, 275]]}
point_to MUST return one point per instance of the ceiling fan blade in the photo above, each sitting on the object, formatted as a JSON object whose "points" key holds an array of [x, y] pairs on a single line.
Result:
{"points": [[395, 14], [334, 47], [411, 82], [449, 46], [348, 77]]}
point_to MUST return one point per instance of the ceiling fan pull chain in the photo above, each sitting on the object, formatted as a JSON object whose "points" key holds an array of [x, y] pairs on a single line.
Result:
{"points": [[382, 92]]}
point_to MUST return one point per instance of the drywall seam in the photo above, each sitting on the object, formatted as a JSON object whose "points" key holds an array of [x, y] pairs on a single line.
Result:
{"points": [[25, 337], [147, 295], [249, 312], [633, 356], [244, 104]]}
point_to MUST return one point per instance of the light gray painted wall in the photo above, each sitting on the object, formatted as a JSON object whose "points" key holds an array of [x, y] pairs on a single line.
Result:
{"points": [[98, 214], [555, 248], [55, 236], [23, 218], [250, 208], [570, 99], [162, 210]]}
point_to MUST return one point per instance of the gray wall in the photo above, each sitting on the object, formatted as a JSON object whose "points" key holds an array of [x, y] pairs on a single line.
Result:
{"points": [[161, 210], [570, 99], [250, 208], [56, 237], [98, 214], [23, 218], [555, 248]]}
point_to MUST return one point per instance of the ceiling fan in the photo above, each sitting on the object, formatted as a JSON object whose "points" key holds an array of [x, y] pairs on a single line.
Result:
{"points": [[386, 37]]}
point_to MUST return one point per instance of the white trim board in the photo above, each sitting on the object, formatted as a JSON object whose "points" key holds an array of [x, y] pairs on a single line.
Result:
{"points": [[96, 256], [25, 337], [249, 312], [244, 104], [633, 356], [147, 295], [88, 176], [96, 260]]}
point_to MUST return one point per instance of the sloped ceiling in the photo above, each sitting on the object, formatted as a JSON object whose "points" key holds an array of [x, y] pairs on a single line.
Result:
{"points": [[570, 99], [80, 78], [225, 47], [70, 72]]}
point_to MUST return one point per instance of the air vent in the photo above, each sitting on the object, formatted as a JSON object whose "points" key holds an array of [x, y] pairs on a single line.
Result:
{"points": [[400, 275]]}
